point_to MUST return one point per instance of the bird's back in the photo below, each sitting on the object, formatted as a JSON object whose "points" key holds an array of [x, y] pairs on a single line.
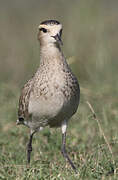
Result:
{"points": [[23, 112]]}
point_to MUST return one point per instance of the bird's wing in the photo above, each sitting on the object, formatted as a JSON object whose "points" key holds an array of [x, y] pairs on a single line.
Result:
{"points": [[24, 100]]}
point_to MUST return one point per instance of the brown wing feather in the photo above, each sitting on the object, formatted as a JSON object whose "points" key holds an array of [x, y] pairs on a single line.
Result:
{"points": [[24, 100]]}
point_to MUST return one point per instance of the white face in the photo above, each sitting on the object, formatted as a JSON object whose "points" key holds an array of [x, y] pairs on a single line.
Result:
{"points": [[48, 32]]}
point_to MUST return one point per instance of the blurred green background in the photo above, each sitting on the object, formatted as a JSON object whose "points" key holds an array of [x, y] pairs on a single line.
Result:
{"points": [[90, 36]]}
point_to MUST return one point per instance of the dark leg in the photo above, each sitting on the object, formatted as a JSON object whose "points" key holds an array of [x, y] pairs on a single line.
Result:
{"points": [[64, 152], [29, 147], [63, 148]]}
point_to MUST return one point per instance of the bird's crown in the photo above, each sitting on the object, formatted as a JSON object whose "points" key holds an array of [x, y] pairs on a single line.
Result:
{"points": [[50, 22]]}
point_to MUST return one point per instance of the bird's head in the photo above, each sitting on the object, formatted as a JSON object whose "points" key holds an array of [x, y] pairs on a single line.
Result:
{"points": [[50, 31]]}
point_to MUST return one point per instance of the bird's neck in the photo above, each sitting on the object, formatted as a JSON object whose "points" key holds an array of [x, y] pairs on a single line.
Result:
{"points": [[50, 55]]}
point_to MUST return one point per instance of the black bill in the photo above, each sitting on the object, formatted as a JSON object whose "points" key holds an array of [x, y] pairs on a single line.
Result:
{"points": [[58, 39]]}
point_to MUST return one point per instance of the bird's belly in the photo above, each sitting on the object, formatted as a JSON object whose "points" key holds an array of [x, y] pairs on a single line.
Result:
{"points": [[52, 110], [46, 108]]}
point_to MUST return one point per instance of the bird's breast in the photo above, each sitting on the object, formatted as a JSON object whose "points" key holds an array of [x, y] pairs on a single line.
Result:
{"points": [[56, 95]]}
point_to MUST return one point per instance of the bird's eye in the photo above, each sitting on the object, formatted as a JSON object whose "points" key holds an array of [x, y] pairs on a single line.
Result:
{"points": [[60, 32], [43, 29]]}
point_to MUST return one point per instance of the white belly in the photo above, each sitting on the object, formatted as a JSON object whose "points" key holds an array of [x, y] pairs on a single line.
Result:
{"points": [[48, 108]]}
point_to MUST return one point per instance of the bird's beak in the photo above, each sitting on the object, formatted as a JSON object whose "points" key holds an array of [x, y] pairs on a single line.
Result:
{"points": [[58, 39]]}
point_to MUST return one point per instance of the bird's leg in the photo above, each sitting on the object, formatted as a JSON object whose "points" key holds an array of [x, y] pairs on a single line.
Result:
{"points": [[63, 148], [29, 147]]}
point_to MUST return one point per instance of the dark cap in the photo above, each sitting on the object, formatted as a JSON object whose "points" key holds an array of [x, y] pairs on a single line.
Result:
{"points": [[50, 22]]}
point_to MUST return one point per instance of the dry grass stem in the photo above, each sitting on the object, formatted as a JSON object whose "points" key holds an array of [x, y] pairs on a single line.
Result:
{"points": [[101, 130]]}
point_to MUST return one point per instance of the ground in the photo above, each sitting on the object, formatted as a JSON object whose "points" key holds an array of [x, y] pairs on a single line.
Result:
{"points": [[88, 141]]}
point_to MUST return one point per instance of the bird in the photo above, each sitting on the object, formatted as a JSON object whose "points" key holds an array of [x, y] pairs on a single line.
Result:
{"points": [[51, 97]]}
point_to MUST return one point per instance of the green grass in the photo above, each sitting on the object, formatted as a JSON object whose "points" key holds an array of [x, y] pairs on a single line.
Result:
{"points": [[85, 143]]}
